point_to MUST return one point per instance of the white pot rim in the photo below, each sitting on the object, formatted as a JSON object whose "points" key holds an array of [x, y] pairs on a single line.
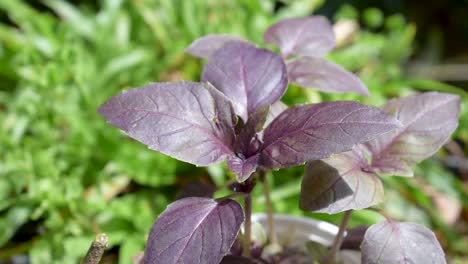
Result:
{"points": [[302, 228]]}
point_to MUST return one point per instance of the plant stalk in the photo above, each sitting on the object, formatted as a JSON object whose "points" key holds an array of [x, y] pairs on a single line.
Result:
{"points": [[269, 209], [339, 237], [247, 225], [96, 250]]}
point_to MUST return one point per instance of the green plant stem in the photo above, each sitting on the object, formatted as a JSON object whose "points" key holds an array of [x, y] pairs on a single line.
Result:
{"points": [[247, 225], [226, 184], [96, 250], [269, 208], [339, 237]]}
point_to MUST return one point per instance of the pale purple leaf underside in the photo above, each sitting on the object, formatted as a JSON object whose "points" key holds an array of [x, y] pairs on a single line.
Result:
{"points": [[427, 119], [192, 122], [275, 110], [312, 132], [338, 184], [390, 166], [205, 46], [251, 77], [324, 76], [194, 230], [391, 242], [308, 36]]}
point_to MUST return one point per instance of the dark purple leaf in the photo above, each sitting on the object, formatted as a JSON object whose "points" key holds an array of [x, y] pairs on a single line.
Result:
{"points": [[236, 248], [391, 242], [194, 230], [197, 189], [312, 132], [251, 77], [309, 36], [243, 187], [428, 121], [243, 167], [324, 75], [247, 144], [338, 184], [205, 46], [354, 238], [229, 259], [190, 121]]}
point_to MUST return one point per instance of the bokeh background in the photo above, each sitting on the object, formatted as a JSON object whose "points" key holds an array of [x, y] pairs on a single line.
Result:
{"points": [[66, 175]]}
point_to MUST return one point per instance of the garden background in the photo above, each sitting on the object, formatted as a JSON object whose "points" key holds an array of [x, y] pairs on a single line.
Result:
{"points": [[66, 175]]}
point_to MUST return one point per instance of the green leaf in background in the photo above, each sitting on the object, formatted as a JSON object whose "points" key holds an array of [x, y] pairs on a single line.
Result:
{"points": [[13, 220], [66, 175]]}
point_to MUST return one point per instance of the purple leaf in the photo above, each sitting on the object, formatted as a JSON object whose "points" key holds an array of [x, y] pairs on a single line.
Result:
{"points": [[197, 189], [428, 121], [309, 36], [324, 75], [338, 184], [354, 238], [251, 77], [194, 230], [247, 144], [243, 167], [391, 242], [229, 259], [205, 46], [390, 166], [312, 132], [275, 110], [190, 121]]}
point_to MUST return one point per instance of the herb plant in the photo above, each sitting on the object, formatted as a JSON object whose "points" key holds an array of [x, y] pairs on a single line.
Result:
{"points": [[235, 114]]}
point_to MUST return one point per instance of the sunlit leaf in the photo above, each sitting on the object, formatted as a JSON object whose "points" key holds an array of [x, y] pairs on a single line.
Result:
{"points": [[312, 132], [428, 120], [309, 36], [339, 184], [189, 121], [205, 46], [391, 242], [251, 77], [324, 76]]}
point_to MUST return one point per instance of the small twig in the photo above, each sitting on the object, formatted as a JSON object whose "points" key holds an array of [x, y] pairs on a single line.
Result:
{"points": [[441, 72], [96, 250], [269, 208], [339, 237], [247, 225]]}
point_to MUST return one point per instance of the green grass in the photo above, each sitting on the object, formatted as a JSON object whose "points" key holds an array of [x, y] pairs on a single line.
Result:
{"points": [[65, 174]]}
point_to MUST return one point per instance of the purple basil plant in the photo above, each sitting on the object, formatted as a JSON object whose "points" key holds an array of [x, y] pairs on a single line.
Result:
{"points": [[235, 114]]}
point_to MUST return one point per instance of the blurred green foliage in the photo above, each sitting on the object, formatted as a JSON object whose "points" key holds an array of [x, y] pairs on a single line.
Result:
{"points": [[66, 175]]}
